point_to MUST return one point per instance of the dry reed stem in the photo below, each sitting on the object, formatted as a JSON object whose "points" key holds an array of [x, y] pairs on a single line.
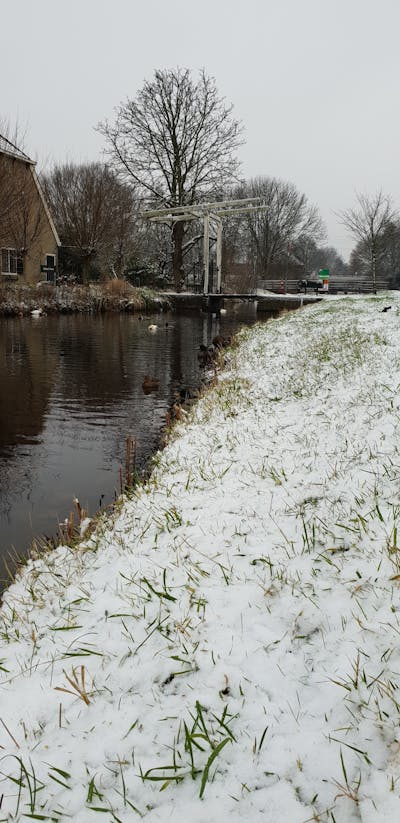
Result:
{"points": [[77, 685], [8, 732]]}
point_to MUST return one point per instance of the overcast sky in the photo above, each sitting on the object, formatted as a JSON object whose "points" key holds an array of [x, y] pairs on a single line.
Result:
{"points": [[315, 82]]}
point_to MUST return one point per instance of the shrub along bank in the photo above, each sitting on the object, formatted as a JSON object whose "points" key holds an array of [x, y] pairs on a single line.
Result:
{"points": [[116, 295]]}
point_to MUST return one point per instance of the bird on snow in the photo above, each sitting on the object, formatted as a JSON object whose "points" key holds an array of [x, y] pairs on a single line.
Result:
{"points": [[386, 308]]}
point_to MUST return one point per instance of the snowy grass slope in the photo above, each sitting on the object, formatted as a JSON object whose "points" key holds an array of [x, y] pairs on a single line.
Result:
{"points": [[227, 648]]}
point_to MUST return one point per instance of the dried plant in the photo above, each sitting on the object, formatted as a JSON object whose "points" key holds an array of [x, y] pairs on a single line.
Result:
{"points": [[77, 681]]}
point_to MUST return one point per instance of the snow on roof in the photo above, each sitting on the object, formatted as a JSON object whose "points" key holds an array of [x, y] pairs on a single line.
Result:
{"points": [[225, 647], [7, 147]]}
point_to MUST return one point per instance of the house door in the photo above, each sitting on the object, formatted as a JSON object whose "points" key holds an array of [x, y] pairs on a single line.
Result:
{"points": [[50, 268]]}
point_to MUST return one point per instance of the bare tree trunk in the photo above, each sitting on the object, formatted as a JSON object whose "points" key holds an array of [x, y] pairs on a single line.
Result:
{"points": [[178, 231], [373, 268], [85, 269]]}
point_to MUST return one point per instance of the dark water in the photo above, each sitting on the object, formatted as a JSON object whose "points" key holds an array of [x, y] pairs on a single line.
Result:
{"points": [[71, 392]]}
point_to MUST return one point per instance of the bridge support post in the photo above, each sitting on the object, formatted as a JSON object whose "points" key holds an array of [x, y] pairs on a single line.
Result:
{"points": [[206, 251], [219, 255], [214, 304]]}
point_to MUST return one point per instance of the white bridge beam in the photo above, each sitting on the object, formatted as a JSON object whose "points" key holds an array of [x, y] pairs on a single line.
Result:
{"points": [[206, 212]]}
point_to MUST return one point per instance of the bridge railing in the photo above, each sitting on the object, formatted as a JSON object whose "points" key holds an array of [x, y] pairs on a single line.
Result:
{"points": [[351, 285], [280, 286], [356, 285]]}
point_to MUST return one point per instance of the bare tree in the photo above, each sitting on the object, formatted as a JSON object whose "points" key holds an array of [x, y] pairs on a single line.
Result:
{"points": [[11, 196], [287, 218], [388, 256], [21, 212], [176, 141], [368, 223], [94, 213]]}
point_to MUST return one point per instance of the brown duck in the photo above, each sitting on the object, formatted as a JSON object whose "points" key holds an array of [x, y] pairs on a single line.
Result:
{"points": [[150, 384]]}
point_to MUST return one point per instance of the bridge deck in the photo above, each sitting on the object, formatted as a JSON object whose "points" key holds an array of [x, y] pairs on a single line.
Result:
{"points": [[245, 296]]}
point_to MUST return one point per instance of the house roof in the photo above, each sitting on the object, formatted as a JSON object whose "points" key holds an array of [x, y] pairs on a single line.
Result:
{"points": [[7, 147], [45, 206]]}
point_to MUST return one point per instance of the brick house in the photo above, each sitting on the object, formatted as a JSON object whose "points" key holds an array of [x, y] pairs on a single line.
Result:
{"points": [[29, 242]]}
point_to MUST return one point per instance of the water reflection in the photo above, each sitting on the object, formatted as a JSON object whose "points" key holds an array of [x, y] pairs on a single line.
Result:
{"points": [[71, 390]]}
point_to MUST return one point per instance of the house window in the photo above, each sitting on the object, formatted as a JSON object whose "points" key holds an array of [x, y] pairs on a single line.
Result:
{"points": [[11, 262]]}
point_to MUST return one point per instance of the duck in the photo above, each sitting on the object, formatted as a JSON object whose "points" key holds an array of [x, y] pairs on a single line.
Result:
{"points": [[150, 384], [36, 312], [202, 355], [221, 342], [152, 327], [178, 412], [207, 354], [185, 395]]}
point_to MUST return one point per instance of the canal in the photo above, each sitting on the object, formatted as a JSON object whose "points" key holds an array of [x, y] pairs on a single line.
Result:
{"points": [[70, 394]]}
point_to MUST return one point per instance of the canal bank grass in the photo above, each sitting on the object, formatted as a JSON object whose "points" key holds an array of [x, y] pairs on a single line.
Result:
{"points": [[113, 296], [225, 645]]}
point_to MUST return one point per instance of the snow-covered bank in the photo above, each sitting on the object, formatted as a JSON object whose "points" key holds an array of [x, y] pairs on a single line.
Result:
{"points": [[232, 638]]}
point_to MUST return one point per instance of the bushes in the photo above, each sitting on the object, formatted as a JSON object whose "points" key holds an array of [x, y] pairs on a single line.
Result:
{"points": [[119, 288], [116, 295]]}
